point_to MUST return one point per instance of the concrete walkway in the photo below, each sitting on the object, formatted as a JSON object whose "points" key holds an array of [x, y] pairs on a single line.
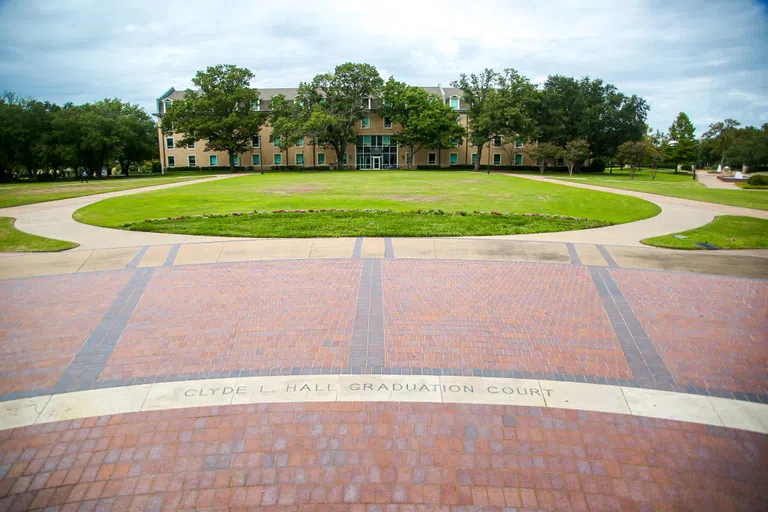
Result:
{"points": [[711, 181], [54, 220], [676, 215]]}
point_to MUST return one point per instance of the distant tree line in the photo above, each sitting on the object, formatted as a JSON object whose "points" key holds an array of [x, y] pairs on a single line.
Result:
{"points": [[42, 139]]}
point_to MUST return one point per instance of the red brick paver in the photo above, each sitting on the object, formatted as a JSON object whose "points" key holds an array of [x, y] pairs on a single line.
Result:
{"points": [[363, 454], [240, 317], [44, 321], [710, 331], [493, 315]]}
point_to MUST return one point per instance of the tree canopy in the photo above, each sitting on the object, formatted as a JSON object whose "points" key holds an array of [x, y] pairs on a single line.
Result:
{"points": [[682, 141], [221, 112], [423, 120]]}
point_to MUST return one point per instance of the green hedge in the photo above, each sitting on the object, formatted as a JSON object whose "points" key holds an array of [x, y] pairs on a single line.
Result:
{"points": [[758, 179]]}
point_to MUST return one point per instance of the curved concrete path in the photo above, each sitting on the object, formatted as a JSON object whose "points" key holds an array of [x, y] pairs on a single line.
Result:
{"points": [[54, 220], [711, 181]]}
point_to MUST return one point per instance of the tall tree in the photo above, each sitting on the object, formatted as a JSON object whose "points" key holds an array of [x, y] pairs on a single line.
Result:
{"points": [[749, 149], [574, 153], [221, 112], [423, 121], [682, 140], [590, 109], [137, 134], [345, 92], [722, 135], [544, 153], [659, 150], [497, 105], [307, 100], [287, 127]]}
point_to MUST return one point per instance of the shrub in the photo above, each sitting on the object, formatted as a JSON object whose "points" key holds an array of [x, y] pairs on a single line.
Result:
{"points": [[758, 180], [597, 165], [156, 167]]}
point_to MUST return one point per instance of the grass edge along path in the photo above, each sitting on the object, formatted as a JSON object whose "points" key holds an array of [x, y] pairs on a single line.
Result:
{"points": [[399, 191], [368, 223], [47, 191], [13, 240], [725, 231], [670, 185]]}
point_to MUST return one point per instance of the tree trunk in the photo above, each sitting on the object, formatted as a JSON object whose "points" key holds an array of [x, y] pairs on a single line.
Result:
{"points": [[611, 172], [231, 160], [477, 160], [631, 172], [653, 174], [570, 169], [541, 168], [314, 151]]}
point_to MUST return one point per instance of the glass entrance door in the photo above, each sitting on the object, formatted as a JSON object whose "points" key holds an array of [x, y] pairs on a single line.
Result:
{"points": [[376, 161]]}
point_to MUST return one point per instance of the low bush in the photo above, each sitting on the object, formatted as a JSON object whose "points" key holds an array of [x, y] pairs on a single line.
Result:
{"points": [[758, 180]]}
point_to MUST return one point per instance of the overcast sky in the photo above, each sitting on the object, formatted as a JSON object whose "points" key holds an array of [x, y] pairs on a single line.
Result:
{"points": [[707, 58]]}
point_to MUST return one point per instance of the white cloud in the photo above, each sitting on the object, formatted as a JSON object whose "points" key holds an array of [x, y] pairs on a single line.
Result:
{"points": [[705, 58]]}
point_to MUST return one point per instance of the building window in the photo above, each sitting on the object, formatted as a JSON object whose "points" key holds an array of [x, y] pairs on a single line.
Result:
{"points": [[255, 105], [474, 158], [191, 146], [431, 159], [171, 161], [276, 142], [518, 159], [256, 142], [497, 141], [299, 159], [169, 143], [366, 140], [321, 159], [278, 159], [300, 143], [497, 159], [560, 162], [454, 158], [344, 159], [166, 105], [213, 161], [236, 159], [518, 143], [455, 103], [366, 122], [385, 140], [387, 122], [457, 141], [256, 159], [192, 161]]}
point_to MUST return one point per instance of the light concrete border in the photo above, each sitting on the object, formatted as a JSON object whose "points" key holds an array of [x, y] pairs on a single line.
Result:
{"points": [[386, 388]]}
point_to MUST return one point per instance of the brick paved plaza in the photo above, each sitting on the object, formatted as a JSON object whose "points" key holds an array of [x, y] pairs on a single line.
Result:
{"points": [[632, 331]]}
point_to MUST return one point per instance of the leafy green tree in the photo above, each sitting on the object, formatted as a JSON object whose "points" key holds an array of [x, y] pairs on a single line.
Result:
{"points": [[571, 109], [345, 94], [287, 127], [574, 153], [498, 104], [633, 153], [749, 149], [544, 153], [659, 150], [137, 133], [11, 113], [307, 100], [682, 140], [722, 135], [220, 113], [423, 120]]}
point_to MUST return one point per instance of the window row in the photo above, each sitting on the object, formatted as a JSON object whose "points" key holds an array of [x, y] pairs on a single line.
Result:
{"points": [[213, 160]]}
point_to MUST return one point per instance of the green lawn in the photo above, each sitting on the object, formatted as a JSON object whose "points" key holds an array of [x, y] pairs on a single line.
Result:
{"points": [[359, 223], [13, 240], [670, 184], [726, 232], [398, 191], [17, 194]]}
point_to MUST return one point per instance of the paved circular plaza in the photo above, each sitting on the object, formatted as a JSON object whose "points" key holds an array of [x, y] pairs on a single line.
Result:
{"points": [[383, 374]]}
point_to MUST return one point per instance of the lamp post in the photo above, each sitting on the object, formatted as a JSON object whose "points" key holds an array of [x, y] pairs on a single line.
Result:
{"points": [[696, 164], [302, 159]]}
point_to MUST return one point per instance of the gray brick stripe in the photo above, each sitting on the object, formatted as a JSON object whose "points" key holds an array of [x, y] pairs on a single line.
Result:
{"points": [[136, 259], [644, 361], [389, 250], [357, 251], [607, 256], [367, 342], [87, 365], [171, 258], [575, 260]]}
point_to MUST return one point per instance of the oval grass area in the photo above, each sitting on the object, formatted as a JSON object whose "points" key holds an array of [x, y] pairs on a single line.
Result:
{"points": [[399, 191]]}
